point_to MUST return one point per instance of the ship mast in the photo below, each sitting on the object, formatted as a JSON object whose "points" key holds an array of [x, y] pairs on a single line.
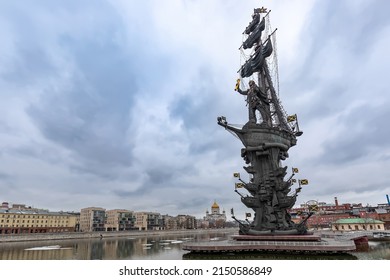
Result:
{"points": [[262, 81], [262, 50]]}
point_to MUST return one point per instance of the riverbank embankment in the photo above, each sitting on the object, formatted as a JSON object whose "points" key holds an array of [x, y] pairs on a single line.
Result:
{"points": [[106, 234]]}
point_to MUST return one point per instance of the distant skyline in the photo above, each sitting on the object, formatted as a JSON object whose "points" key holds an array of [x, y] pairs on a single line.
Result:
{"points": [[209, 209], [114, 103]]}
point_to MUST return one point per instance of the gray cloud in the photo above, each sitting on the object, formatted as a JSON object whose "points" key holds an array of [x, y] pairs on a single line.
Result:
{"points": [[338, 40], [115, 105], [365, 135], [5, 177]]}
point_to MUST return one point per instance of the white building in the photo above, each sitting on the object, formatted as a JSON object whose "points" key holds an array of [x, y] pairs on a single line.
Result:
{"points": [[215, 218]]}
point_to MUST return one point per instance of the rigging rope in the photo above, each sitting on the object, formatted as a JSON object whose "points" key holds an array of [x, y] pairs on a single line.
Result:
{"points": [[235, 135]]}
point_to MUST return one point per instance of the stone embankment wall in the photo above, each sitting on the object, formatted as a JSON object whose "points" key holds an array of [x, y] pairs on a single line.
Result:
{"points": [[104, 234]]}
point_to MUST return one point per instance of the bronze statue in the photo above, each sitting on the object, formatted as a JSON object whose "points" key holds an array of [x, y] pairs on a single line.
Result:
{"points": [[257, 100], [266, 145]]}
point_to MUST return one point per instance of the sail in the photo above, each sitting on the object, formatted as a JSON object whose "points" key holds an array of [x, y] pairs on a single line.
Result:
{"points": [[255, 63], [252, 24], [255, 36], [266, 51], [246, 69]]}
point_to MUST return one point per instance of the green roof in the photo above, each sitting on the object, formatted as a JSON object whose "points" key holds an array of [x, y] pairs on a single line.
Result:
{"points": [[358, 221]]}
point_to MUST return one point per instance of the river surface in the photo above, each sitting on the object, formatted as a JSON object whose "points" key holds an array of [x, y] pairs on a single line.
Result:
{"points": [[155, 248]]}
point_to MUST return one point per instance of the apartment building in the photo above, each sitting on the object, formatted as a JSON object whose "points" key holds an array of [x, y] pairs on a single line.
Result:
{"points": [[179, 222], [120, 220], [149, 221], [92, 219]]}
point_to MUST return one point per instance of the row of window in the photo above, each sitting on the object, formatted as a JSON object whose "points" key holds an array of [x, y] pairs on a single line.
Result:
{"points": [[10, 231], [356, 227], [33, 216], [27, 226], [28, 221]]}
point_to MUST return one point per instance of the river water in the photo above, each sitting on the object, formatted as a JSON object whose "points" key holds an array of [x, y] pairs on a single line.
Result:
{"points": [[155, 248]]}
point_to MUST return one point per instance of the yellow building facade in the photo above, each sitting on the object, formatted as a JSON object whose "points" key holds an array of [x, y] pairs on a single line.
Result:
{"points": [[358, 224], [30, 221]]}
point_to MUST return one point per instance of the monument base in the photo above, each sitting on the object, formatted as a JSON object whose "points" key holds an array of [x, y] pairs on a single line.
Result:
{"points": [[273, 243]]}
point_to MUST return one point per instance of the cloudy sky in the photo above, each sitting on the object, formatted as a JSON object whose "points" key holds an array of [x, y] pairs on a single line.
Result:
{"points": [[114, 103]]}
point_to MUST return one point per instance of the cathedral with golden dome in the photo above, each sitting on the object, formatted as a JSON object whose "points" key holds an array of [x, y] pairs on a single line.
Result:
{"points": [[215, 218]]}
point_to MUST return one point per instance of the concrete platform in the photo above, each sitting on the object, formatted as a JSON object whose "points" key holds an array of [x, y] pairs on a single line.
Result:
{"points": [[301, 246]]}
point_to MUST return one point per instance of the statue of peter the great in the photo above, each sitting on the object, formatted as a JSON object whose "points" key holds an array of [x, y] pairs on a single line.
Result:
{"points": [[257, 100]]}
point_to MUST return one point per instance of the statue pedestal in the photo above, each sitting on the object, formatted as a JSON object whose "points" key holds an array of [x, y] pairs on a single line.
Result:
{"points": [[284, 244]]}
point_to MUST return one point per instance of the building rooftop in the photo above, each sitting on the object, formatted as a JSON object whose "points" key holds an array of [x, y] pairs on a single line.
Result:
{"points": [[358, 221], [381, 211], [33, 212]]}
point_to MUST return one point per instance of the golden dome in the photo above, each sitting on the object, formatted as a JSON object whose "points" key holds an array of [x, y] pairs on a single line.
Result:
{"points": [[215, 205]]}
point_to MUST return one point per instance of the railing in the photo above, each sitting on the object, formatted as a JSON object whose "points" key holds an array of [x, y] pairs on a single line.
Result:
{"points": [[286, 243], [350, 236]]}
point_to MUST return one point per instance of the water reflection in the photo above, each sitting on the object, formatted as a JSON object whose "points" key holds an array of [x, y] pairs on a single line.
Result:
{"points": [[155, 248], [379, 250]]}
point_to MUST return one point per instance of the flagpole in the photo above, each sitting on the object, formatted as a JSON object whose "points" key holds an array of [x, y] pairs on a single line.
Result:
{"points": [[298, 133], [238, 193]]}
